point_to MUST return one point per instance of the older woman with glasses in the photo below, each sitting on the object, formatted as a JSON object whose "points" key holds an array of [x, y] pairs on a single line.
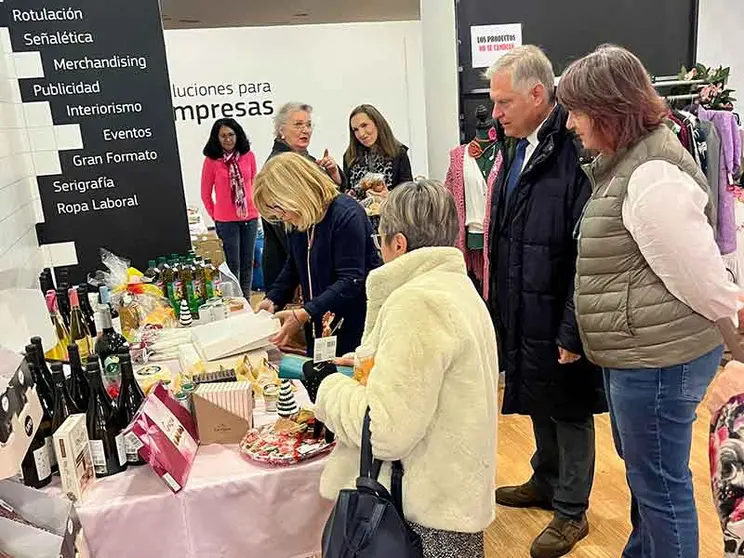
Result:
{"points": [[330, 251], [293, 130], [431, 392]]}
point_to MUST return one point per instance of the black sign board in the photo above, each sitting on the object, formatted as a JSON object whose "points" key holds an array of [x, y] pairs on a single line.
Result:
{"points": [[104, 70], [663, 34]]}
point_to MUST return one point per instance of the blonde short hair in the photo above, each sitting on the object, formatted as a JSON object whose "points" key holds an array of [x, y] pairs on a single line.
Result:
{"points": [[291, 183]]}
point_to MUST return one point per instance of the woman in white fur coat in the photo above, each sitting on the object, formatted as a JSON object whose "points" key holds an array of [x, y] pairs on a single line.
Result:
{"points": [[432, 392]]}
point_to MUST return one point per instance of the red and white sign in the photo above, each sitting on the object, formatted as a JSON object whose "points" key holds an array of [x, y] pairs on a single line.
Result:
{"points": [[491, 42]]}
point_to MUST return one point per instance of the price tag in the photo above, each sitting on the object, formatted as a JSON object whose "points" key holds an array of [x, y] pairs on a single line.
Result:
{"points": [[325, 349]]}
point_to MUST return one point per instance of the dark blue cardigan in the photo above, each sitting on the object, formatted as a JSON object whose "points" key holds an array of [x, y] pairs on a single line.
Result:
{"points": [[341, 257]]}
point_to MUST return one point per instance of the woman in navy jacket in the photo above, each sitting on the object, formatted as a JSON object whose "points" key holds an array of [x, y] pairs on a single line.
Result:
{"points": [[331, 251]]}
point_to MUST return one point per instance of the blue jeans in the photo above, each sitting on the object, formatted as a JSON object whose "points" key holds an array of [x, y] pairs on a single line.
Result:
{"points": [[652, 412], [238, 242]]}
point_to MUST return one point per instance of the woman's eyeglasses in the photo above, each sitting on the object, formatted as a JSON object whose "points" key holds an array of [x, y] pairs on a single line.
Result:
{"points": [[302, 125]]}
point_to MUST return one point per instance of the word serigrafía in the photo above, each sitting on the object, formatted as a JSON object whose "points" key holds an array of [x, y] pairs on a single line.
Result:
{"points": [[82, 186], [46, 14], [58, 38], [113, 63], [209, 112]]}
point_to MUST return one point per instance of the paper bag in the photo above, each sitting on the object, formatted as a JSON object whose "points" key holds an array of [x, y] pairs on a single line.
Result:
{"points": [[241, 333]]}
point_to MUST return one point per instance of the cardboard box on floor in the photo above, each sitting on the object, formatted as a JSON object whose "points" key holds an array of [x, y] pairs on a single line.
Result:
{"points": [[210, 246], [54, 532]]}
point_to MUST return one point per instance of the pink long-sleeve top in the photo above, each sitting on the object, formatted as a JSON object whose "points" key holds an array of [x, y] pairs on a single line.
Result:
{"points": [[216, 180]]}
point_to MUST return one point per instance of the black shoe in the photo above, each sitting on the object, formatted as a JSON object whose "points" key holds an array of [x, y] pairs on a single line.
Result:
{"points": [[523, 496]]}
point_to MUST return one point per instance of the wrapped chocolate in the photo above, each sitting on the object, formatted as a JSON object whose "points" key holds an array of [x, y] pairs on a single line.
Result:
{"points": [[164, 433]]}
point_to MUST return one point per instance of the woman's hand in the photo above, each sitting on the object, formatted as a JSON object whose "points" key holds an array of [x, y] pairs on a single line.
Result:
{"points": [[331, 167], [292, 323], [346, 360], [267, 305], [567, 357]]}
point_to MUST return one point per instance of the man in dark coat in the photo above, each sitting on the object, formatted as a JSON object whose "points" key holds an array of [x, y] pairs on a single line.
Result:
{"points": [[537, 202]]}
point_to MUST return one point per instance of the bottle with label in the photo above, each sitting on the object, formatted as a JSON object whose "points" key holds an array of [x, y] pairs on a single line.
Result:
{"points": [[45, 396], [105, 296], [173, 283], [104, 430], [36, 467], [44, 384], [212, 279], [194, 288], [162, 266], [79, 333], [59, 352], [152, 272], [87, 310], [63, 404], [77, 385], [130, 400], [201, 276], [108, 346]]}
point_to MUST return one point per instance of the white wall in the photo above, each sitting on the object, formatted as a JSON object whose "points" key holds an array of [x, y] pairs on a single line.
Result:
{"points": [[720, 24], [439, 44], [332, 67], [21, 258]]}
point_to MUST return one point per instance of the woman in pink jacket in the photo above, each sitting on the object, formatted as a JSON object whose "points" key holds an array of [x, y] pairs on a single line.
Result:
{"points": [[227, 193]]}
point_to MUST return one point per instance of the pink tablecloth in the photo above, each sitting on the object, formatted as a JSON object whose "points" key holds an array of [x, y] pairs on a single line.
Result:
{"points": [[229, 508]]}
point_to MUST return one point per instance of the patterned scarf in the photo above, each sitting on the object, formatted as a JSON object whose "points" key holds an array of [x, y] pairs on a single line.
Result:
{"points": [[237, 186]]}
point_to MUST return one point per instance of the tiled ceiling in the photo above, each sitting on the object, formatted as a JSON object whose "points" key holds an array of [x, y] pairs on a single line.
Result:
{"points": [[180, 14]]}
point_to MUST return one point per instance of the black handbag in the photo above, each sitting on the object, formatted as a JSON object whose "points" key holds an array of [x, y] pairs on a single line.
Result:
{"points": [[368, 522]]}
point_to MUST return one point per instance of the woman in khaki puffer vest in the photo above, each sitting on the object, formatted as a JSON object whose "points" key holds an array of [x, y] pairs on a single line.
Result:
{"points": [[650, 285]]}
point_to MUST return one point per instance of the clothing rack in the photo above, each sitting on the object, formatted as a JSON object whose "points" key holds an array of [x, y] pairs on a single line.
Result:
{"points": [[659, 82]]}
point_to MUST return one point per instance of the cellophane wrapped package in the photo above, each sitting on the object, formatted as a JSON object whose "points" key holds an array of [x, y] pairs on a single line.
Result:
{"points": [[165, 434]]}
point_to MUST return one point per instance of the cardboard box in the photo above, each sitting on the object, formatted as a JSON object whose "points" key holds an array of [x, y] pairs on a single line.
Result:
{"points": [[20, 412], [74, 458], [224, 411], [210, 246], [45, 526]]}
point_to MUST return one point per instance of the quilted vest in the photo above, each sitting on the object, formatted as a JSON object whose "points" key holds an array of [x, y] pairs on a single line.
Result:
{"points": [[627, 318]]}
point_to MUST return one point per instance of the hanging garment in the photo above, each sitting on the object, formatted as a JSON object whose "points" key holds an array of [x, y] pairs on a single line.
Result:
{"points": [[477, 261], [729, 166], [475, 194], [713, 159]]}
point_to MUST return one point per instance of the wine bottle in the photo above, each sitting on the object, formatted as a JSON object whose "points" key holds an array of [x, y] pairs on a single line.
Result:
{"points": [[77, 385], [105, 296], [172, 278], [131, 397], [79, 333], [63, 303], [63, 335], [63, 404], [47, 405], [104, 431], [35, 352], [86, 309], [46, 281], [36, 467], [108, 346]]}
